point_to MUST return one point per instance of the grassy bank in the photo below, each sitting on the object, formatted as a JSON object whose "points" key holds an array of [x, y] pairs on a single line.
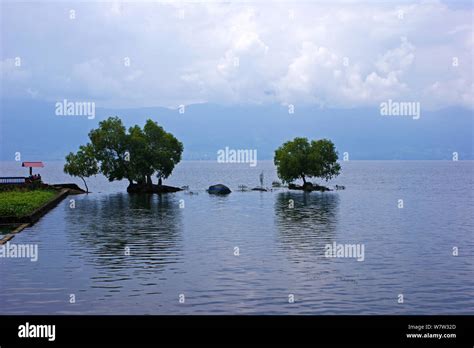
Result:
{"points": [[20, 203]]}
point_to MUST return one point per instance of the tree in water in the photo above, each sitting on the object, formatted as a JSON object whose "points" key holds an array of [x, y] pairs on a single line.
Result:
{"points": [[300, 159], [163, 150], [135, 155]]}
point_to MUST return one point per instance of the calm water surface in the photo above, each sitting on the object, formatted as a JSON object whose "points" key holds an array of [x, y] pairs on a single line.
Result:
{"points": [[190, 250]]}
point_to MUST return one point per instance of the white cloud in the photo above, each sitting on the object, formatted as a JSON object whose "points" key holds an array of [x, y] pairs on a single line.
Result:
{"points": [[398, 59], [183, 53], [11, 70], [456, 92]]}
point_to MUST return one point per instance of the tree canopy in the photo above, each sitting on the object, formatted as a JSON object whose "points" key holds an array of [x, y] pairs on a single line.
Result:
{"points": [[82, 164], [299, 159], [135, 155]]}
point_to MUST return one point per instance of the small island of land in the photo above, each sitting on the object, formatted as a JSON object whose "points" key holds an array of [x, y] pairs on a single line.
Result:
{"points": [[300, 159]]}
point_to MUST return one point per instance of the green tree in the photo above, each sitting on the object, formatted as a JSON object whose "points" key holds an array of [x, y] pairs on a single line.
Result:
{"points": [[164, 150], [82, 164], [140, 168], [299, 159], [135, 155], [110, 144]]}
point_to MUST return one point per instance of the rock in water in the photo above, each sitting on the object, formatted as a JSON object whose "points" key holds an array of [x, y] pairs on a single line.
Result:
{"points": [[219, 189], [308, 187], [259, 189], [136, 188]]}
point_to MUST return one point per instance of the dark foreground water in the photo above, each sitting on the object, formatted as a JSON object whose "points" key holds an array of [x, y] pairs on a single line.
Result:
{"points": [[189, 250]]}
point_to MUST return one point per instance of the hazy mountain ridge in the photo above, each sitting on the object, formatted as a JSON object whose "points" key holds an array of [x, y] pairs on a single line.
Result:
{"points": [[32, 128]]}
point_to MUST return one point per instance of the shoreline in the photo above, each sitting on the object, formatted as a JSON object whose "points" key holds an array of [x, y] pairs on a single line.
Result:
{"points": [[31, 218]]}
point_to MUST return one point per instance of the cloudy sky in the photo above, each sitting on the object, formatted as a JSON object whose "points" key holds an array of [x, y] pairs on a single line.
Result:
{"points": [[329, 53]]}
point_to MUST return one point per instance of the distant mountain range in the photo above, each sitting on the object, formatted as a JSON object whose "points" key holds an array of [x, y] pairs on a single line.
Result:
{"points": [[33, 129]]}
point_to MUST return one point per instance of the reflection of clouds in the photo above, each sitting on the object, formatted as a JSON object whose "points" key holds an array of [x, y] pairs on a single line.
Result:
{"points": [[305, 229], [148, 224]]}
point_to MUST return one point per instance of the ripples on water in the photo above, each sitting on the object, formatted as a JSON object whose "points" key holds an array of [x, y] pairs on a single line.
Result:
{"points": [[190, 250]]}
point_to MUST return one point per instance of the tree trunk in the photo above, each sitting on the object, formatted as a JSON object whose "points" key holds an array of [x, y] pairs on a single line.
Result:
{"points": [[149, 182], [85, 184], [160, 181], [304, 180]]}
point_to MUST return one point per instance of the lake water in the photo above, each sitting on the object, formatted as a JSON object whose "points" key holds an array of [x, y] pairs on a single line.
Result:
{"points": [[189, 250]]}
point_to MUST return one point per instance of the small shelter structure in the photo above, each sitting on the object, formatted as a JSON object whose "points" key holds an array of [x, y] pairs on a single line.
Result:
{"points": [[32, 165]]}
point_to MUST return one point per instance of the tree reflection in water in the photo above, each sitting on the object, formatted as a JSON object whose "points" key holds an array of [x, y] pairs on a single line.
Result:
{"points": [[305, 229], [140, 232]]}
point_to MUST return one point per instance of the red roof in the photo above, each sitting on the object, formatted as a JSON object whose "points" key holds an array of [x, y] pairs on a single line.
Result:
{"points": [[33, 164]]}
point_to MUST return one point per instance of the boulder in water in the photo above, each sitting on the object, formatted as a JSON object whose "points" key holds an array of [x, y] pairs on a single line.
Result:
{"points": [[219, 189]]}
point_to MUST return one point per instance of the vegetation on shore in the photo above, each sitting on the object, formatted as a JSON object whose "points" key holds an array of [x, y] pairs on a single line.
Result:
{"points": [[19, 203]]}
